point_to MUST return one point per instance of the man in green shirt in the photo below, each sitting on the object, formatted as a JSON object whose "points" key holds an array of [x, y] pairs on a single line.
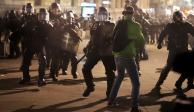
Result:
{"points": [[125, 60]]}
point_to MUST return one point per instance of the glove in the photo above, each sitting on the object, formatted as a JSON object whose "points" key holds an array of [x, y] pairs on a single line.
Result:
{"points": [[85, 50]]}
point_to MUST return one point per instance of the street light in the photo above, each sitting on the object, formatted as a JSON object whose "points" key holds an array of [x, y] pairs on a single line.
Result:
{"points": [[106, 2]]}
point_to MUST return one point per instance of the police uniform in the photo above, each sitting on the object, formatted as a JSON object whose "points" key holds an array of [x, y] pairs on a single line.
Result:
{"points": [[13, 25], [35, 35], [99, 48], [72, 44], [177, 43]]}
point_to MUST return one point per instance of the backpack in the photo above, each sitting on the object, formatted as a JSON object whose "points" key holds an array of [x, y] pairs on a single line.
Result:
{"points": [[120, 36]]}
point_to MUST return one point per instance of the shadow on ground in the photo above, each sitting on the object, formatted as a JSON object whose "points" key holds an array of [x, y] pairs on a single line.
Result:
{"points": [[76, 81], [10, 86], [11, 70], [151, 100], [57, 107]]}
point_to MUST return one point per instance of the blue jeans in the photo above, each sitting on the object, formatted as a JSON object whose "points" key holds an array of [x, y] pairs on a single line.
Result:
{"points": [[128, 64]]}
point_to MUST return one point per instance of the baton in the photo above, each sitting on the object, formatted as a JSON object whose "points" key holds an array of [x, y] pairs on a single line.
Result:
{"points": [[79, 60]]}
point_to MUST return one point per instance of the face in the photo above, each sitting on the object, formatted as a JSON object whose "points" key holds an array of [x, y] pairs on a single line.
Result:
{"points": [[178, 19], [29, 10], [128, 15], [102, 16], [43, 16], [70, 17], [55, 11]]}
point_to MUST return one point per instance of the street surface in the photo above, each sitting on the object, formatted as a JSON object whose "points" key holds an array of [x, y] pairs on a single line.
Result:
{"points": [[66, 94]]}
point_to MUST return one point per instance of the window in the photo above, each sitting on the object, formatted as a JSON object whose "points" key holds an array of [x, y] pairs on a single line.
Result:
{"points": [[118, 4], [92, 1], [72, 3], [122, 3], [37, 2], [58, 1]]}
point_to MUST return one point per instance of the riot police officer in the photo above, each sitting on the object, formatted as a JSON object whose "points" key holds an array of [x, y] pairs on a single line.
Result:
{"points": [[55, 15], [99, 48], [28, 16], [58, 41], [72, 47], [54, 52], [13, 25], [28, 13], [177, 32], [35, 36]]}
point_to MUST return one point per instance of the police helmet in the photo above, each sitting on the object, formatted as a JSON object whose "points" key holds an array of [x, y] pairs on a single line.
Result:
{"points": [[12, 14], [102, 14], [134, 1], [55, 8], [177, 16], [128, 10], [70, 16], [23, 9], [29, 8], [64, 16], [43, 15]]}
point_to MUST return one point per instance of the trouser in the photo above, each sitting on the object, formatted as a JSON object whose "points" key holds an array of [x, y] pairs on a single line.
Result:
{"points": [[48, 55], [143, 53], [182, 78], [70, 56], [57, 55], [122, 64], [14, 44], [14, 48], [26, 62], [137, 60], [91, 61], [167, 68]]}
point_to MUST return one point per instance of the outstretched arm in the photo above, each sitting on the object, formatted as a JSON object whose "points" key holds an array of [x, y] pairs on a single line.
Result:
{"points": [[163, 34]]}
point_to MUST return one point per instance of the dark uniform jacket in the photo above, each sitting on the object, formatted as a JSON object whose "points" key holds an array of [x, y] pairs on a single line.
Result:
{"points": [[101, 37], [177, 35]]}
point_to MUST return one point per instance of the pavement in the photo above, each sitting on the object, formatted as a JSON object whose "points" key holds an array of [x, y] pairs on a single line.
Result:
{"points": [[66, 94]]}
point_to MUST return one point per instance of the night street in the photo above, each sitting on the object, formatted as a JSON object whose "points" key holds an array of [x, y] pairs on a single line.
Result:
{"points": [[66, 94]]}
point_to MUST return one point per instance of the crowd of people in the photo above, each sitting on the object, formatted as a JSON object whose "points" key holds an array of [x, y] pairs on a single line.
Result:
{"points": [[52, 36]]}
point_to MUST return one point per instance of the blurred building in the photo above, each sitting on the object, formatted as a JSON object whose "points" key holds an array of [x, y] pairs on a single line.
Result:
{"points": [[12, 4], [167, 7], [115, 7]]}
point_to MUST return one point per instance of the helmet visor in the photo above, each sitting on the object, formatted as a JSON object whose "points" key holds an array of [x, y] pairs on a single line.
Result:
{"points": [[56, 11], [29, 10], [102, 16], [43, 16]]}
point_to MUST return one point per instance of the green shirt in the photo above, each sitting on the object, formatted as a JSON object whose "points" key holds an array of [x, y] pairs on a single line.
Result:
{"points": [[135, 34]]}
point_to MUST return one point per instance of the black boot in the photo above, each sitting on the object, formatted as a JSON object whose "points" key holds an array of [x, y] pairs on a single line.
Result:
{"points": [[53, 77], [41, 82], [74, 70], [25, 81], [75, 75], [87, 91], [178, 86], [64, 72], [26, 77], [190, 86]]}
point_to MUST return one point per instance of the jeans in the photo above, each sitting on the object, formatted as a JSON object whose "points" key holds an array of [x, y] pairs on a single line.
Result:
{"points": [[128, 64]]}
